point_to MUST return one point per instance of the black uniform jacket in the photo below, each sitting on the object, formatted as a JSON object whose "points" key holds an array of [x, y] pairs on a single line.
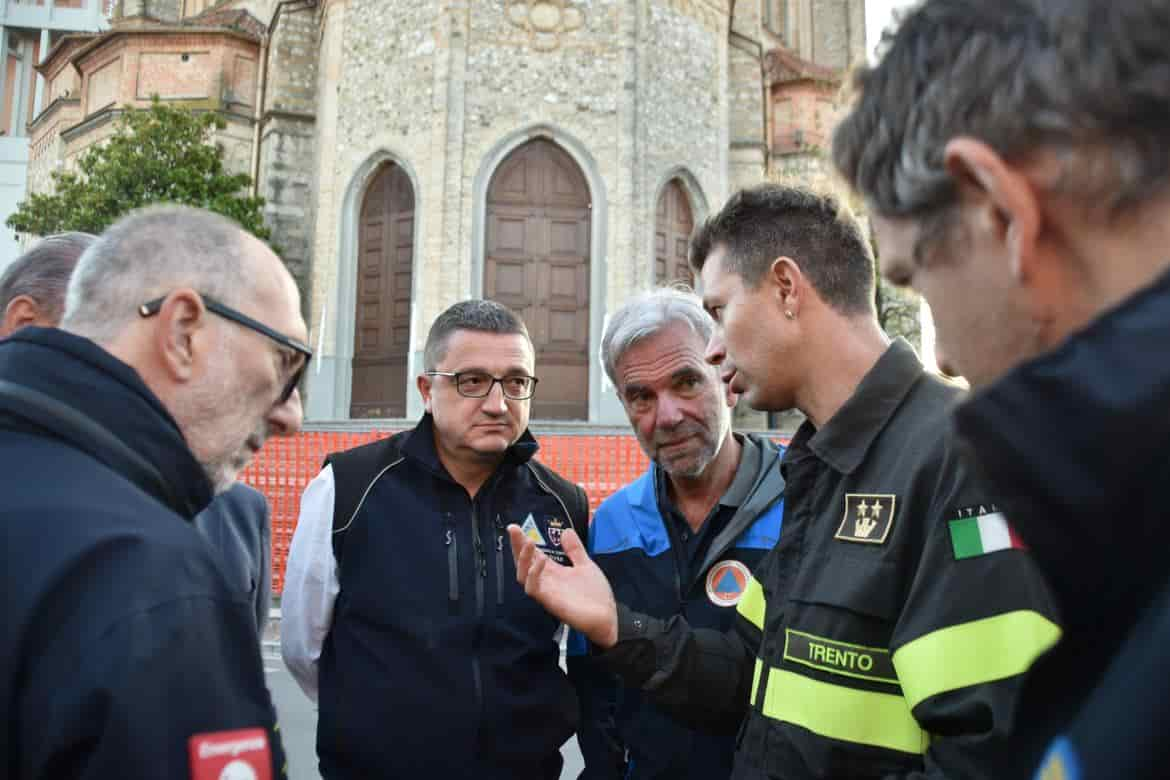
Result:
{"points": [[887, 632], [1077, 446], [123, 651], [437, 664]]}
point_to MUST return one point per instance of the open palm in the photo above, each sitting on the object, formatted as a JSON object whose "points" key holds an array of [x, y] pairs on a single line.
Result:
{"points": [[579, 595]]}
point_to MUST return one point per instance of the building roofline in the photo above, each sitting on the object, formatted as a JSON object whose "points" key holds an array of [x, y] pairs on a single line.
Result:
{"points": [[785, 66]]}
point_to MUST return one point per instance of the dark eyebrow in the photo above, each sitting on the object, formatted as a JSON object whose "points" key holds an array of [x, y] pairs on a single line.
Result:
{"points": [[632, 389], [686, 373]]}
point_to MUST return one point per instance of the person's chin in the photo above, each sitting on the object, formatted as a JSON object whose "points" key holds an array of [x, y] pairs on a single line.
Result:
{"points": [[688, 465], [491, 443]]}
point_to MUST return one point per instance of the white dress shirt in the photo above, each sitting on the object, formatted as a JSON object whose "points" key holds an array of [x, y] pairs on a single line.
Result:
{"points": [[310, 584]]}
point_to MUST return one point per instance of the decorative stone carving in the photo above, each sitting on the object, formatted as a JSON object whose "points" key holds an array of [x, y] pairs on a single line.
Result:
{"points": [[545, 21]]}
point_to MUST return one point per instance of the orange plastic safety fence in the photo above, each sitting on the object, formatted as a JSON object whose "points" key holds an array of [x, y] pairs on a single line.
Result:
{"points": [[600, 464]]}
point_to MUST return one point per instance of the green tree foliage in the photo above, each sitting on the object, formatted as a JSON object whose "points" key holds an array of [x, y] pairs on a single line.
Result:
{"points": [[157, 155], [898, 312]]}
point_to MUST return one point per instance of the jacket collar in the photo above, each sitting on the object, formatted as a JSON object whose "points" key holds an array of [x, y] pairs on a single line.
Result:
{"points": [[1072, 439], [845, 439], [757, 485], [420, 446], [78, 373]]}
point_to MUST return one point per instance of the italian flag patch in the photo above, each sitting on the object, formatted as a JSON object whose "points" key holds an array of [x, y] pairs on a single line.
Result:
{"points": [[982, 531]]}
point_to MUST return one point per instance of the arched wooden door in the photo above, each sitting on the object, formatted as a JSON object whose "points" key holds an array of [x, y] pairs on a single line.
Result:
{"points": [[536, 262], [672, 235], [382, 316]]}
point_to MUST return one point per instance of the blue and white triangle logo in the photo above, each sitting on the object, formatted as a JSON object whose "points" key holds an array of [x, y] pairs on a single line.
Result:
{"points": [[530, 530]]}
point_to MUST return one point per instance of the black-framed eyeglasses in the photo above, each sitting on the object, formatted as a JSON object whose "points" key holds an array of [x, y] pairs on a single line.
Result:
{"points": [[478, 384], [151, 308]]}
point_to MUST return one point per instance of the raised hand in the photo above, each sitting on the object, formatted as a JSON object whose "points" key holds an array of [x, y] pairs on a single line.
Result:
{"points": [[579, 595]]}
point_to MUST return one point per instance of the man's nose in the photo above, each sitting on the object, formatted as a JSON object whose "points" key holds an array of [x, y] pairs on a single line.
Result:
{"points": [[495, 402], [285, 419], [716, 351], [669, 413]]}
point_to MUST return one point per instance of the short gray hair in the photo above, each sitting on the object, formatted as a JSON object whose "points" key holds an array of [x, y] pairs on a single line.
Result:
{"points": [[1088, 79], [646, 314], [146, 254], [42, 273], [475, 314]]}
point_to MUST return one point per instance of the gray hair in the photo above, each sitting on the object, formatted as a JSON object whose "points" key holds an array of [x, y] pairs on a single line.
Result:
{"points": [[147, 254], [646, 314], [1087, 79], [42, 273], [476, 314]]}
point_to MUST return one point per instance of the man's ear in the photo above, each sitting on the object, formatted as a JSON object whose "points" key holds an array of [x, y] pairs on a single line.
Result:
{"points": [[786, 279], [1005, 197], [424, 389], [22, 311], [180, 333]]}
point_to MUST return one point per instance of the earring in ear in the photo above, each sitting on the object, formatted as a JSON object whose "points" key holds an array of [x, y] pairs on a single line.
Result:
{"points": [[789, 314]]}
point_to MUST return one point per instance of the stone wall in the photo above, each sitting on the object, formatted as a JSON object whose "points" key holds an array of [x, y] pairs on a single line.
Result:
{"points": [[632, 91], [375, 104], [838, 32], [165, 10], [635, 92], [287, 139], [684, 109]]}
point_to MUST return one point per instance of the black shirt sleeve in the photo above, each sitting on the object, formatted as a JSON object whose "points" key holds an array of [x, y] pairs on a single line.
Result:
{"points": [[700, 677]]}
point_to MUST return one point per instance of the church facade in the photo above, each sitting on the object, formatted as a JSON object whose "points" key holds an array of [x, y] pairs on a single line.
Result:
{"points": [[553, 155]]}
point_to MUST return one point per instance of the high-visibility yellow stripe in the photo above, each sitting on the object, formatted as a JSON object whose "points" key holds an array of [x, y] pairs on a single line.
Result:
{"points": [[756, 679], [973, 653], [836, 711], [753, 603]]}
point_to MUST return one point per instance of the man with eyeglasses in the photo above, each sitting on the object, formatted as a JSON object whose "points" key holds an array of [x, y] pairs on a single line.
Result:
{"points": [[401, 613], [237, 522], [126, 651]]}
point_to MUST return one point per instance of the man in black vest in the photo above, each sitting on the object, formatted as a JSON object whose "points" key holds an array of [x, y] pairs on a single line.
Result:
{"points": [[401, 613]]}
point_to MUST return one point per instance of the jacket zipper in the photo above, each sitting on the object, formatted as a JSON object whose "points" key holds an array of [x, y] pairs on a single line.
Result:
{"points": [[452, 543], [499, 561], [480, 575]]}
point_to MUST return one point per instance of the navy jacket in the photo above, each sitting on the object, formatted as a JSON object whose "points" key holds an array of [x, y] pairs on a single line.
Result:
{"points": [[623, 734], [1077, 445], [120, 640], [437, 663], [239, 527]]}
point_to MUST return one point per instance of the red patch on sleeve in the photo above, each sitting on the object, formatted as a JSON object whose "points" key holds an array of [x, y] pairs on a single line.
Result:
{"points": [[242, 754]]}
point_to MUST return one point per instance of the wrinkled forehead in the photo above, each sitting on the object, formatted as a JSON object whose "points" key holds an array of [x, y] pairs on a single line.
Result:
{"points": [[659, 358]]}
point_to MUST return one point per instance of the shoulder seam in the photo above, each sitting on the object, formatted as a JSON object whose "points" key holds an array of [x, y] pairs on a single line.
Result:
{"points": [[554, 493], [365, 493]]}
